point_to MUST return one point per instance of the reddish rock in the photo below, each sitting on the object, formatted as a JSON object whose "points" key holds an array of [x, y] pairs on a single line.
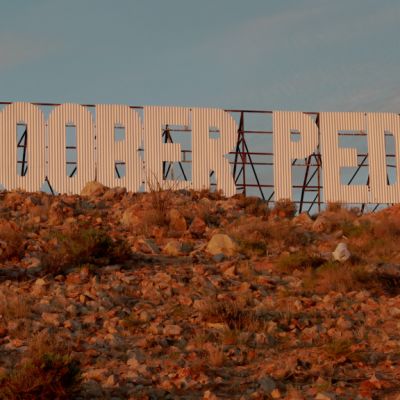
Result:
{"points": [[197, 227]]}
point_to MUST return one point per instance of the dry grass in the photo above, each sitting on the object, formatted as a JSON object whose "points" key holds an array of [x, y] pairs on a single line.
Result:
{"points": [[80, 246], [48, 372], [338, 277], [253, 206], [11, 240], [216, 356], [14, 306], [251, 233], [285, 208], [299, 260]]}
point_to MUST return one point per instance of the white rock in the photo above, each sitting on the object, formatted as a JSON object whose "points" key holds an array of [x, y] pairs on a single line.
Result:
{"points": [[341, 252]]}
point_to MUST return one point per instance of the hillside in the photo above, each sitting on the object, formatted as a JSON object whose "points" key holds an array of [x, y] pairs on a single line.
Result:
{"points": [[188, 295]]}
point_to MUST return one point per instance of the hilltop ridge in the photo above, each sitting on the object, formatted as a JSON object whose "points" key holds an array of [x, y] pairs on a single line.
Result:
{"points": [[183, 294]]}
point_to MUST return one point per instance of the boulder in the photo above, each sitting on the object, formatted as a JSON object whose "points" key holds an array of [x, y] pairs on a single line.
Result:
{"points": [[197, 227], [177, 222], [93, 189], [172, 248], [321, 224], [130, 217], [341, 252], [303, 219], [221, 243], [172, 330]]}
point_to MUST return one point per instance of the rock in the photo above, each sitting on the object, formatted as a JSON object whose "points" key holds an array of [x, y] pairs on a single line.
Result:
{"points": [[56, 213], [321, 224], [394, 312], [110, 381], [31, 262], [186, 247], [341, 252], [96, 374], [230, 272], [197, 227], [208, 395], [40, 282], [152, 246], [218, 257], [3, 331], [303, 219], [172, 330], [172, 248], [177, 222], [130, 217], [39, 287], [51, 318], [221, 243], [343, 323], [133, 363], [267, 384], [325, 396], [93, 189]]}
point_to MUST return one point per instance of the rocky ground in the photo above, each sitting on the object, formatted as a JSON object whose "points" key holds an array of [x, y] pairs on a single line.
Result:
{"points": [[187, 295]]}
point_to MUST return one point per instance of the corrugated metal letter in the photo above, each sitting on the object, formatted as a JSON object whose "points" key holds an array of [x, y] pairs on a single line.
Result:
{"points": [[109, 151], [331, 123], [30, 115], [285, 150], [209, 154], [156, 151], [377, 124], [79, 116]]}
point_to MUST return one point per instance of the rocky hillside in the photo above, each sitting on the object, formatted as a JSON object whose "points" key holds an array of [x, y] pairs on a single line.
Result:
{"points": [[187, 295]]}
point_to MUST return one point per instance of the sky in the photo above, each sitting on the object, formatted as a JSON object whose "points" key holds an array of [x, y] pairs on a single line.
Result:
{"points": [[305, 55]]}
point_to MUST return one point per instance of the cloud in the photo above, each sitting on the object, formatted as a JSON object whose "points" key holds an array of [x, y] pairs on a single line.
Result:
{"points": [[17, 50]]}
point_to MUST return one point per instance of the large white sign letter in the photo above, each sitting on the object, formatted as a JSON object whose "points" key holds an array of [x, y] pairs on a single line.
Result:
{"points": [[285, 150]]}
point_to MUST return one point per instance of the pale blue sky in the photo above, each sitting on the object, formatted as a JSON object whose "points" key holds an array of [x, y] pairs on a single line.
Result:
{"points": [[317, 55]]}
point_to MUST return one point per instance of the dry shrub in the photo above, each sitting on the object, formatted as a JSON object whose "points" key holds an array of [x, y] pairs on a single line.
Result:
{"points": [[253, 205], [339, 348], [13, 305], [285, 234], [236, 316], [161, 197], [339, 277], [207, 194], [256, 235], [251, 233], [48, 372], [229, 312], [82, 245], [377, 238], [285, 208], [334, 206], [216, 356], [299, 260], [340, 218], [11, 240]]}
